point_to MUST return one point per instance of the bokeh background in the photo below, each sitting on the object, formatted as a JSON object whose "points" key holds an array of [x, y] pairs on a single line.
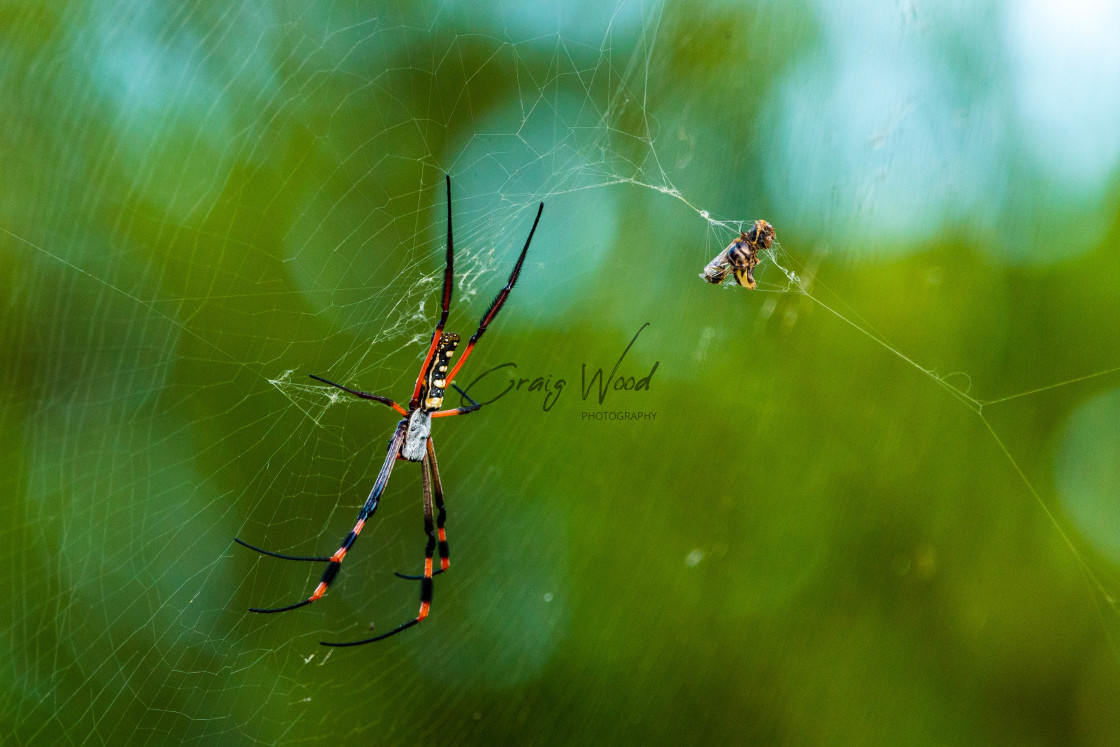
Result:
{"points": [[873, 502]]}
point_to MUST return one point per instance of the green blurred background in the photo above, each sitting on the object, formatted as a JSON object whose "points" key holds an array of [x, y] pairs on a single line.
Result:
{"points": [[877, 503]]}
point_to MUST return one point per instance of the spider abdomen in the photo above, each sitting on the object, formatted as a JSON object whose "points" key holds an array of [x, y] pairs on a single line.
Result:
{"points": [[416, 437]]}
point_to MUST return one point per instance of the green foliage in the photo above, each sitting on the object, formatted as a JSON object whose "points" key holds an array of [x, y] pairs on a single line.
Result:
{"points": [[875, 504]]}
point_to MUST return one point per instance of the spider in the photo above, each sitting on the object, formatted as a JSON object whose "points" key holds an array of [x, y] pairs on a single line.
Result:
{"points": [[412, 442]]}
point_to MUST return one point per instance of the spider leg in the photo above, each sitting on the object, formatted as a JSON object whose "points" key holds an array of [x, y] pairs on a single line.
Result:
{"points": [[334, 562], [496, 305], [474, 406], [456, 411], [383, 636], [441, 516], [363, 395], [448, 276], [431, 485], [312, 559], [464, 395]]}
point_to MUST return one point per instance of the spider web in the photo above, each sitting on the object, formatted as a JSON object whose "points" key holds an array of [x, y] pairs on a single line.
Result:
{"points": [[884, 479]]}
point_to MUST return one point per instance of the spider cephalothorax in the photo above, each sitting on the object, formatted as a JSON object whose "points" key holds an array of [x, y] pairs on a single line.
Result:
{"points": [[412, 441], [418, 424], [435, 377]]}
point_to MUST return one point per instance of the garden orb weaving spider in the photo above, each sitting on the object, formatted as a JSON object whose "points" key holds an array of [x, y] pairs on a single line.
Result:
{"points": [[412, 442]]}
